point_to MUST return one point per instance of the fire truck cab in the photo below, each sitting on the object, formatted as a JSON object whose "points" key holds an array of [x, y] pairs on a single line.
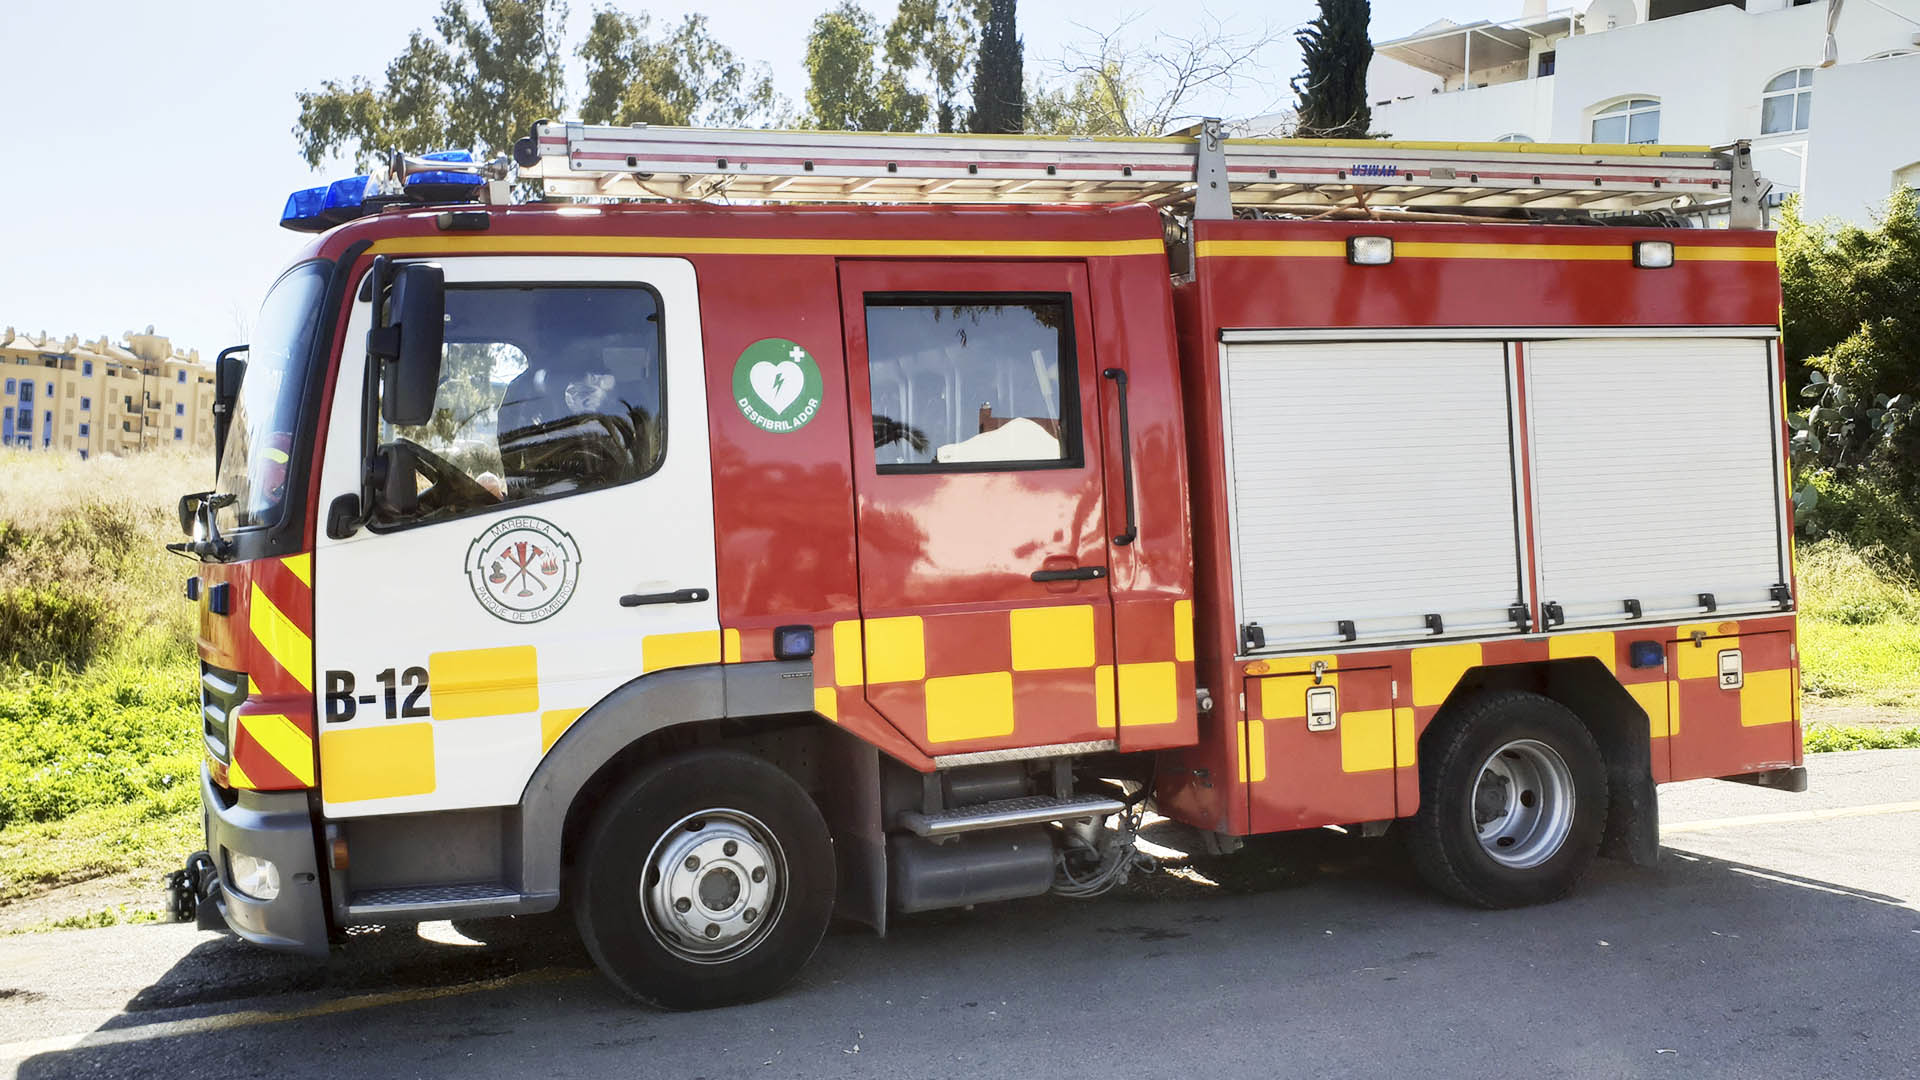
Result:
{"points": [[1259, 485]]}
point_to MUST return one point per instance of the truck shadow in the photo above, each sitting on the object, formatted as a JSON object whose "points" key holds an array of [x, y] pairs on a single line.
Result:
{"points": [[1298, 906]]}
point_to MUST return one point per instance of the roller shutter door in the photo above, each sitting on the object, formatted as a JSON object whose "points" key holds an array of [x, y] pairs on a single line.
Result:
{"points": [[1656, 473], [1372, 483]]}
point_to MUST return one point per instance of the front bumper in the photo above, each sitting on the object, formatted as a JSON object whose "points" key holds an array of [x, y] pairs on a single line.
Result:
{"points": [[274, 825]]}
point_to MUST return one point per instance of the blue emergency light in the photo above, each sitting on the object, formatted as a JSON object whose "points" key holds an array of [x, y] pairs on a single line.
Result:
{"points": [[316, 209]]}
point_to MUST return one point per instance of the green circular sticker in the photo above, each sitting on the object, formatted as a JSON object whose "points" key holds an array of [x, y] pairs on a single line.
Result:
{"points": [[777, 386]]}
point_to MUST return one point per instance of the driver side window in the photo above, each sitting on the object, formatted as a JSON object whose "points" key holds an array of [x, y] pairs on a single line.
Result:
{"points": [[545, 391]]}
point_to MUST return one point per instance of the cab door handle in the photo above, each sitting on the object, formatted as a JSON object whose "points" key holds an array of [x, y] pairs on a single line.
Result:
{"points": [[1078, 573], [678, 596]]}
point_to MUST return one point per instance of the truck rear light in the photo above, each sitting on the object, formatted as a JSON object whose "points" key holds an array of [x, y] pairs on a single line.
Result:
{"points": [[1369, 250], [1653, 254]]}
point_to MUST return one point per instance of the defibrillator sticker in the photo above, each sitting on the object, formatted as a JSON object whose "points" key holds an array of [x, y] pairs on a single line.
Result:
{"points": [[776, 385], [523, 569]]}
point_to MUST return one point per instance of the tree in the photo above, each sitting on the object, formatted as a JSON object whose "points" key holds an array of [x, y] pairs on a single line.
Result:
{"points": [[939, 36], [999, 87], [846, 89], [1851, 333], [475, 84], [1115, 86], [1333, 88], [686, 77]]}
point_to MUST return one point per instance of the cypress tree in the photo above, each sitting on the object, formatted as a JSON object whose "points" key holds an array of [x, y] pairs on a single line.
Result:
{"points": [[999, 90], [1333, 88]]}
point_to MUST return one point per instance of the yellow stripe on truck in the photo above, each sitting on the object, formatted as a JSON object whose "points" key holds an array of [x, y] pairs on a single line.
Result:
{"points": [[484, 682], [283, 742], [387, 762]]}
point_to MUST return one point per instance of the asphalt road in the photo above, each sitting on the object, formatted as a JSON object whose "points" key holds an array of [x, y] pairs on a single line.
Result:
{"points": [[1779, 938]]}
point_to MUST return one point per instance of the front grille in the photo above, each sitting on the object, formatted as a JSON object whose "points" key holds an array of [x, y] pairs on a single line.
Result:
{"points": [[221, 692]]}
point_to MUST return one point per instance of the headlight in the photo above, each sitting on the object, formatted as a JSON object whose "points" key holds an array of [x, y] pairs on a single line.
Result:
{"points": [[252, 877]]}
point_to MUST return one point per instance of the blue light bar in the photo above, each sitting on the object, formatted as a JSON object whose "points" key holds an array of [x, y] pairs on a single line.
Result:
{"points": [[348, 194], [442, 185], [303, 210]]}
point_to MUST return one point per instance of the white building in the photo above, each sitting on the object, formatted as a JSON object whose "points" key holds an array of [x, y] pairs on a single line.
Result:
{"points": [[1679, 72]]}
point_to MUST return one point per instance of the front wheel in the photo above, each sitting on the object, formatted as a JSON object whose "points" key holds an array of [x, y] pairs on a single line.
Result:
{"points": [[1513, 799], [707, 879]]}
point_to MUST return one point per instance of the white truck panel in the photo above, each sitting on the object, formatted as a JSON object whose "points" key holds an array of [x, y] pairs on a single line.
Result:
{"points": [[1655, 474], [1371, 482]]}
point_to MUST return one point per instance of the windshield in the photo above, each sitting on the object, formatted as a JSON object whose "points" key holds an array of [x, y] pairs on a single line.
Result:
{"points": [[254, 466]]}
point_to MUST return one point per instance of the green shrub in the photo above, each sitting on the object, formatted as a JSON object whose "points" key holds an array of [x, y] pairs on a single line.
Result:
{"points": [[43, 628], [1822, 738]]}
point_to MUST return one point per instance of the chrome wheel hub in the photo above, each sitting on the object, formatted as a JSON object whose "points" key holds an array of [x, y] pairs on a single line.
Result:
{"points": [[714, 885], [1523, 804]]}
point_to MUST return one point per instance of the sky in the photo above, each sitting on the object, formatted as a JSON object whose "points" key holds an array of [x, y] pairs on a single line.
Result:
{"points": [[158, 148]]}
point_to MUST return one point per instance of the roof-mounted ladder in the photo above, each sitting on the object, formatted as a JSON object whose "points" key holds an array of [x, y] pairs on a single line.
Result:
{"points": [[1214, 175]]}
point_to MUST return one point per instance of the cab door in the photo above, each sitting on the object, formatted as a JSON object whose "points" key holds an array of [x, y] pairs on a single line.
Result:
{"points": [[562, 543], [981, 512]]}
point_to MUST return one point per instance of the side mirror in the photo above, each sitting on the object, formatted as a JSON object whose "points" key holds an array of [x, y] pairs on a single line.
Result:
{"points": [[229, 370], [407, 343]]}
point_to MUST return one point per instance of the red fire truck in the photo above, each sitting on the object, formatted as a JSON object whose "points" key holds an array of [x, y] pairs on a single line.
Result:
{"points": [[1262, 485]]}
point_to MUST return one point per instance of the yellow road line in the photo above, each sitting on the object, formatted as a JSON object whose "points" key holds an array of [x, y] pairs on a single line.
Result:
{"points": [[1791, 817], [201, 1025]]}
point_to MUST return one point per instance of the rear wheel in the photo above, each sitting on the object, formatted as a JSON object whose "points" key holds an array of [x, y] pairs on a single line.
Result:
{"points": [[707, 879], [1513, 799]]}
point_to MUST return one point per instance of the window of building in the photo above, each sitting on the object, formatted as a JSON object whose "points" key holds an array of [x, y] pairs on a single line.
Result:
{"points": [[83, 455], [972, 382], [46, 428], [26, 419], [9, 386], [49, 389], [6, 423], [83, 430], [126, 425], [1514, 137], [86, 404], [1546, 63], [545, 391], [1787, 102], [1635, 120], [178, 435], [182, 376], [86, 367], [180, 410]]}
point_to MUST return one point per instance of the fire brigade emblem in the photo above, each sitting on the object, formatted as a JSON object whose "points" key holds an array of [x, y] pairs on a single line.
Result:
{"points": [[523, 569], [776, 385]]}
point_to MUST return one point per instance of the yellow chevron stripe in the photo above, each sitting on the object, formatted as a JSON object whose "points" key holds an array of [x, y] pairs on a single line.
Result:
{"points": [[300, 566], [283, 641], [284, 743], [237, 777], [485, 243]]}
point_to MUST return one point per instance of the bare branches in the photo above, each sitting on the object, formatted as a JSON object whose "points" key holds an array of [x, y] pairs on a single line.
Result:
{"points": [[1116, 84]]}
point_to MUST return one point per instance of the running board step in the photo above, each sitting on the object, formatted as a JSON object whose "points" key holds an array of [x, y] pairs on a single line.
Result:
{"points": [[442, 901], [1007, 813]]}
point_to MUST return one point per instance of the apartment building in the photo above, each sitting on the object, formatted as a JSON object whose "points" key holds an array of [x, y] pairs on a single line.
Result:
{"points": [[1679, 72], [102, 397]]}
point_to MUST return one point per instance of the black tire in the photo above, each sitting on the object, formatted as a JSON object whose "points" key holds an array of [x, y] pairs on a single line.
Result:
{"points": [[1445, 839], [703, 797]]}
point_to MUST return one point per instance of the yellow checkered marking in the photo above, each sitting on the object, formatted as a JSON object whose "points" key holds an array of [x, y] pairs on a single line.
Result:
{"points": [[289, 647], [847, 669], [376, 762], [1366, 740], [1285, 697], [826, 702], [484, 682], [1149, 694], [1051, 638], [1253, 751], [554, 723], [1437, 669], [970, 706], [1103, 696], [1183, 631], [686, 649], [1568, 646], [1766, 698], [1652, 697], [283, 742], [896, 649], [1405, 745]]}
